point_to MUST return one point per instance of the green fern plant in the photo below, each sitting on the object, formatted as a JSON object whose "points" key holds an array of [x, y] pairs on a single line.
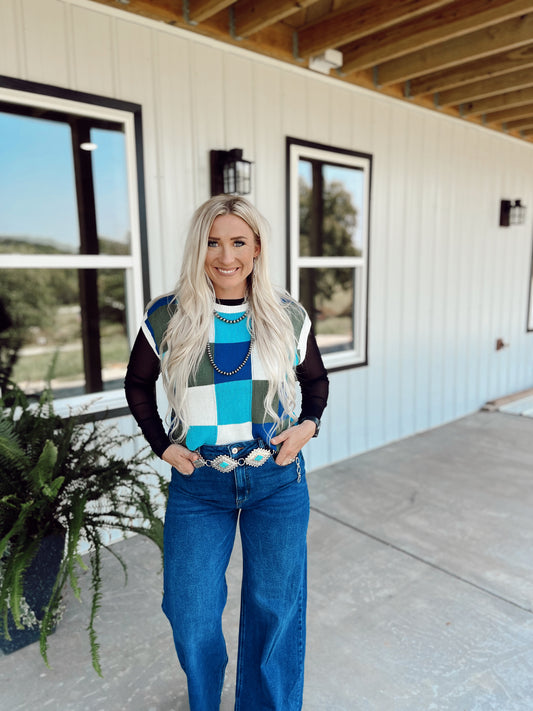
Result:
{"points": [[66, 475]]}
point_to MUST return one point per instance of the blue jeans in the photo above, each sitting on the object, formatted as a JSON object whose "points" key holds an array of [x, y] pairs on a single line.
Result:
{"points": [[271, 504]]}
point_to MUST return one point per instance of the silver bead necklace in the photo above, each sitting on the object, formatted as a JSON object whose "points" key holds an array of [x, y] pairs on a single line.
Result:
{"points": [[228, 320], [229, 372], [210, 355]]}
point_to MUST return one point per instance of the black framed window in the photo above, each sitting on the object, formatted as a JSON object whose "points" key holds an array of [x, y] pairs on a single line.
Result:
{"points": [[329, 201], [72, 285]]}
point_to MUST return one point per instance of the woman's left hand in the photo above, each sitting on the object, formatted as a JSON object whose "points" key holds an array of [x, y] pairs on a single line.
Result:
{"points": [[292, 440]]}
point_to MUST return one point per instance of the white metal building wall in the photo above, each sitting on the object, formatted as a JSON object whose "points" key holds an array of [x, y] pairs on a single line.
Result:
{"points": [[445, 280]]}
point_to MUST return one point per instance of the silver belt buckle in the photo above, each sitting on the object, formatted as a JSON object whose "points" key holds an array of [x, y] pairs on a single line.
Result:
{"points": [[223, 463], [258, 457]]}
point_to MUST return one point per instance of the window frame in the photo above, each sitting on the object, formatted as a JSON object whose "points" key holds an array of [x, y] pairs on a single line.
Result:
{"points": [[299, 149], [135, 265]]}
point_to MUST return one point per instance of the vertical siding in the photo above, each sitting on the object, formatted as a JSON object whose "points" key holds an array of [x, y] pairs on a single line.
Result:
{"points": [[176, 162], [10, 50], [95, 72], [46, 39], [269, 153], [445, 280]]}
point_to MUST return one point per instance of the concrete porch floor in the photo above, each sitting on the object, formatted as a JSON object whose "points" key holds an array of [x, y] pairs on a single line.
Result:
{"points": [[420, 591]]}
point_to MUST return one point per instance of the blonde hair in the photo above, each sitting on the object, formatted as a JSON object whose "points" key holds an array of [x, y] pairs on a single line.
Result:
{"points": [[187, 334]]}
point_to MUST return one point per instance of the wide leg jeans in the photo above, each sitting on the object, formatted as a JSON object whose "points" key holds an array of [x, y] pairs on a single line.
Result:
{"points": [[271, 506]]}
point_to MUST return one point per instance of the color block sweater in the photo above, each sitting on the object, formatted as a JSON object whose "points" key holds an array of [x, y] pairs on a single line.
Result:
{"points": [[222, 408]]}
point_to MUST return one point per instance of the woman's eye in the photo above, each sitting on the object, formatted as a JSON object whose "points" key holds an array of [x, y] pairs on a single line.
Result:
{"points": [[238, 243], [212, 243]]}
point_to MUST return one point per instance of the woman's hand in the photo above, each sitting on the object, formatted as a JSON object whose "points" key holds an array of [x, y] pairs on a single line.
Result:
{"points": [[293, 440], [181, 458]]}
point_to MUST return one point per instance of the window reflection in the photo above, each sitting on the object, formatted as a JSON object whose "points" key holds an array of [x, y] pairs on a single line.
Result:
{"points": [[45, 335], [38, 200], [38, 208], [328, 297], [111, 191], [331, 197]]}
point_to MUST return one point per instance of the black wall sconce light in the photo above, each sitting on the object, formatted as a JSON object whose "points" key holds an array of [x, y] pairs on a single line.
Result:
{"points": [[230, 173], [512, 213]]}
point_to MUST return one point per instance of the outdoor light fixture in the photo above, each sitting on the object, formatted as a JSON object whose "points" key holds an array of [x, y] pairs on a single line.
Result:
{"points": [[230, 173], [512, 213], [329, 59]]}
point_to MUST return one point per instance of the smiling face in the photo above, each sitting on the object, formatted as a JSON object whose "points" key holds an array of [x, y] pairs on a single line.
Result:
{"points": [[231, 249]]}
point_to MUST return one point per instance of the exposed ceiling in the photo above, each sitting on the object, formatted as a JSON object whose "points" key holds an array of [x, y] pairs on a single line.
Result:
{"points": [[468, 58]]}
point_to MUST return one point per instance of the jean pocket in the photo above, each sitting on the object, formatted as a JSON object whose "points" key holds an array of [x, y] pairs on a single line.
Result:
{"points": [[177, 473], [289, 464]]}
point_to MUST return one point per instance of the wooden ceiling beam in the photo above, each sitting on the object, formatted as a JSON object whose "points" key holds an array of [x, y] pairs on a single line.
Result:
{"points": [[482, 43], [443, 24], [505, 115], [486, 87], [477, 70], [253, 15], [274, 41], [520, 124], [200, 10], [345, 26], [494, 103], [168, 11], [527, 132]]}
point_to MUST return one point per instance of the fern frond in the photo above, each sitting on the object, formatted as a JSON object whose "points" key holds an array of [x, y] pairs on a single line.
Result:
{"points": [[40, 475], [14, 579], [73, 538], [96, 566], [120, 560]]}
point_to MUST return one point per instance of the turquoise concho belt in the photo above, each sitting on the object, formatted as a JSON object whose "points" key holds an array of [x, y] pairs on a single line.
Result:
{"points": [[223, 463]]}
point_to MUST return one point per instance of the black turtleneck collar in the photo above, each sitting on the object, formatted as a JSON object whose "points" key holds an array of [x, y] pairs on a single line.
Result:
{"points": [[230, 302]]}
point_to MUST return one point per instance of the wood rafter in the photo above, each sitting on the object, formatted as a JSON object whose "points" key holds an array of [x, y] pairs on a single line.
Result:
{"points": [[448, 22], [348, 25], [163, 10], [472, 59], [482, 43], [485, 68], [519, 124], [505, 115], [493, 103], [200, 10], [252, 16], [486, 87]]}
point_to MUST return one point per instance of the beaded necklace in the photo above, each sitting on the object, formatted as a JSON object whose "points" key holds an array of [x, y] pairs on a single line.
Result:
{"points": [[227, 320], [210, 355]]}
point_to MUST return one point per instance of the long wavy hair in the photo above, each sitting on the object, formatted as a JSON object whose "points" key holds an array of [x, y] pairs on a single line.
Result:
{"points": [[187, 334]]}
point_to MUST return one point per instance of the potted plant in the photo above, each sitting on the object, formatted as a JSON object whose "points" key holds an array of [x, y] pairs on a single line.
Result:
{"points": [[63, 481]]}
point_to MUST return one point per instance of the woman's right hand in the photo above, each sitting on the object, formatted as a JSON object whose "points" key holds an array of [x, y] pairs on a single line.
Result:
{"points": [[180, 458]]}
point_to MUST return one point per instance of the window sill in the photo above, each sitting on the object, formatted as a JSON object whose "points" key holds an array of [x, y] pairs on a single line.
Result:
{"points": [[95, 406], [342, 359]]}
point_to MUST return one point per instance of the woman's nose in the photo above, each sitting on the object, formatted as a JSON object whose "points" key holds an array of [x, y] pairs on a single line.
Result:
{"points": [[226, 256]]}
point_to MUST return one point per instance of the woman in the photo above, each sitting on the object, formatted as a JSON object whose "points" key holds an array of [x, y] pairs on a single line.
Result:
{"points": [[231, 350]]}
